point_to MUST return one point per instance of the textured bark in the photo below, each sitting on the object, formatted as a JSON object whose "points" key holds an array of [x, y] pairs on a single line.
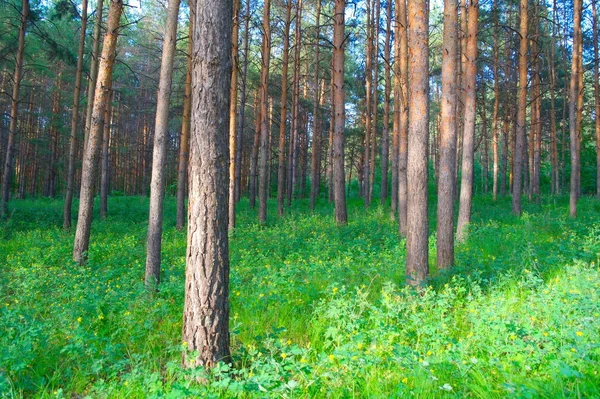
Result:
{"points": [[264, 113], [315, 180], [90, 161], [159, 151], [206, 306], [284, 106], [417, 234], [375, 106], [574, 130], [403, 122], [368, 103], [385, 139], [104, 165], [553, 140], [341, 213], [447, 163], [14, 113], [330, 194], [91, 89], [53, 139], [233, 92], [292, 172], [397, 110], [184, 141], [518, 154], [596, 92], [242, 108], [469, 82], [255, 146], [496, 116], [536, 127], [75, 120]]}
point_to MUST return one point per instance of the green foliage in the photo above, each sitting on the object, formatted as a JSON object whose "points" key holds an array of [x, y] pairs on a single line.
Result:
{"points": [[316, 310]]}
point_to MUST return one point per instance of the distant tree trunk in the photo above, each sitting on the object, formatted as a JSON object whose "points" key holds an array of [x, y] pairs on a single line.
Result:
{"points": [[496, 116], [403, 126], [184, 141], [284, 106], [417, 264], [552, 75], [596, 92], [315, 180], [293, 144], [93, 73], [341, 213], [88, 173], [368, 103], [518, 154], [53, 139], [104, 171], [242, 108], [264, 114], [397, 110], [332, 94], [159, 152], [447, 164], [75, 120], [375, 107], [575, 133], [14, 113], [255, 147], [470, 84], [385, 139], [233, 111], [536, 127], [206, 306]]}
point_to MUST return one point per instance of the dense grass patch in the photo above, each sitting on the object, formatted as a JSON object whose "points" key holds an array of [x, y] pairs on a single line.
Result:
{"points": [[317, 310]]}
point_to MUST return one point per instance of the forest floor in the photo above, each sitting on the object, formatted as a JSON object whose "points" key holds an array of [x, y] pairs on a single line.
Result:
{"points": [[316, 310]]}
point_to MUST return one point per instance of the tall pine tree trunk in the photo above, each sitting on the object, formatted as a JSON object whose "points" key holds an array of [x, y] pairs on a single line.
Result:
{"points": [[385, 139], [264, 114], [284, 106], [315, 180], [573, 108], [401, 20], [233, 111]]}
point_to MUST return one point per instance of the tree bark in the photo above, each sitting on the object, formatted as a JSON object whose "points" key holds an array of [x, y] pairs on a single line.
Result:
{"points": [[88, 173], [264, 114], [417, 264], [575, 133], [339, 179], [159, 152], [255, 147], [294, 131], [447, 163], [596, 92], [233, 91], [75, 120], [405, 93], [469, 82], [375, 107], [242, 108], [496, 116], [315, 180], [385, 139], [104, 165], [368, 103], [284, 106], [14, 113], [206, 306], [518, 154]]}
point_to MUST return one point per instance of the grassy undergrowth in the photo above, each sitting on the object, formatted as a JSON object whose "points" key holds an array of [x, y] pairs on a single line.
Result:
{"points": [[317, 310]]}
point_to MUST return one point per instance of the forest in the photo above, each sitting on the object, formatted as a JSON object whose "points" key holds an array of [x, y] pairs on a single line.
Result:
{"points": [[299, 199]]}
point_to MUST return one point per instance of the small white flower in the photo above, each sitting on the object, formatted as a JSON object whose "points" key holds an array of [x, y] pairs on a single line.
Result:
{"points": [[446, 387], [474, 360]]}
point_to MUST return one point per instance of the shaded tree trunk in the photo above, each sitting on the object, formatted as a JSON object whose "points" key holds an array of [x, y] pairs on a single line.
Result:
{"points": [[233, 111], [264, 114], [206, 306], [401, 20], [496, 116], [315, 180], [241, 116], [284, 106], [88, 174], [104, 165], [385, 139], [574, 127], [417, 232]]}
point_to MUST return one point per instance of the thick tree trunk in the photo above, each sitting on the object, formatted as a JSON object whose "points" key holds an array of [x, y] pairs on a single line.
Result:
{"points": [[90, 161], [104, 165], [233, 91], [75, 120], [206, 306], [518, 154], [264, 114], [159, 152], [339, 179], [469, 82], [403, 125], [284, 106], [315, 164], [447, 164], [575, 133], [385, 139], [417, 236], [184, 141]]}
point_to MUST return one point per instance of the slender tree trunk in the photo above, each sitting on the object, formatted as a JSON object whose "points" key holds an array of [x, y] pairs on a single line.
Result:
{"points": [[233, 91], [264, 114], [293, 144], [242, 108], [332, 94], [91, 89], [159, 152], [315, 180], [284, 106], [14, 113], [55, 120], [254, 160], [75, 120], [339, 38], [417, 237], [368, 103], [375, 107], [206, 306], [596, 92], [466, 182], [447, 164], [104, 166], [397, 111], [552, 75], [405, 93], [86, 203], [184, 141], [385, 139], [573, 109], [536, 124], [496, 116], [518, 154]]}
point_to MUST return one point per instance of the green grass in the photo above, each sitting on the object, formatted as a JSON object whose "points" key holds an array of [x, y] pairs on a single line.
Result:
{"points": [[317, 310]]}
